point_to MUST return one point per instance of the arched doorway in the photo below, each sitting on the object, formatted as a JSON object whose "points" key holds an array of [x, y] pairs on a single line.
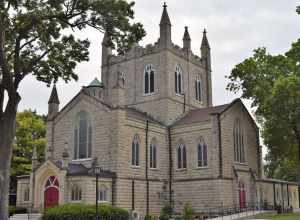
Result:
{"points": [[51, 192], [242, 195]]}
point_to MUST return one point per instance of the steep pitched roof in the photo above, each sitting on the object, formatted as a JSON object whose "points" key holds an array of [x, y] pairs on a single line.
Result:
{"points": [[204, 43], [201, 114], [165, 16], [186, 35], [53, 97]]}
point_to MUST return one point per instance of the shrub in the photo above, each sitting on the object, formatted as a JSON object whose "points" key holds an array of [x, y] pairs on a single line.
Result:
{"points": [[188, 212], [84, 212], [166, 212], [150, 217]]}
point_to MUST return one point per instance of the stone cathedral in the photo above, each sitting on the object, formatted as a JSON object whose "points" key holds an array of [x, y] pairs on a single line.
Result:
{"points": [[150, 124]]}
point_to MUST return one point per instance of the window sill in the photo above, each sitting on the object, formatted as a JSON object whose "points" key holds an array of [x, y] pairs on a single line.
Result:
{"points": [[76, 201], [181, 169], [202, 168], [149, 94], [199, 102], [154, 169], [179, 95], [102, 202], [240, 164], [135, 167], [82, 159]]}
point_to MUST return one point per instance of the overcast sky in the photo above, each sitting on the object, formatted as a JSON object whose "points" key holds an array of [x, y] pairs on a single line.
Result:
{"points": [[234, 28]]}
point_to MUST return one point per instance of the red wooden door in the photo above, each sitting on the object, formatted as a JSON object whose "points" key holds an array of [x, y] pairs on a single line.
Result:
{"points": [[51, 193], [242, 195]]}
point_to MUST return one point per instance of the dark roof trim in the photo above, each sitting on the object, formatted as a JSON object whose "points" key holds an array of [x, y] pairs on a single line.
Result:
{"points": [[276, 181]]}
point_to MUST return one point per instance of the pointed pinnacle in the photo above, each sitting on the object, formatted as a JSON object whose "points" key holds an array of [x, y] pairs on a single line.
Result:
{"points": [[53, 97], [165, 17]]}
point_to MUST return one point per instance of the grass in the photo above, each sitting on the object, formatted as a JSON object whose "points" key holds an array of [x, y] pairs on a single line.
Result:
{"points": [[290, 216]]}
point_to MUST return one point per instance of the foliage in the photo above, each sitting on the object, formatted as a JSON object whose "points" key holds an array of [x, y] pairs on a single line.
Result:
{"points": [[150, 217], [16, 210], [38, 38], [30, 132], [272, 82], [83, 211], [188, 212], [166, 212]]}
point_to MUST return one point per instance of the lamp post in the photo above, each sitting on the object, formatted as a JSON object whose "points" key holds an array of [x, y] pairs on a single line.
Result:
{"points": [[97, 171]]}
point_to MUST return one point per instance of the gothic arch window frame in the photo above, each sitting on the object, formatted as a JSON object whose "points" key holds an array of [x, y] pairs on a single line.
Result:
{"points": [[238, 142], [103, 193], [26, 194], [181, 156], [149, 80], [153, 154], [135, 151], [76, 193], [83, 139], [178, 80], [199, 89], [202, 153]]}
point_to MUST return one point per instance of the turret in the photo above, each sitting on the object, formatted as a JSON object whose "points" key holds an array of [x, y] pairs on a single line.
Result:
{"points": [[106, 50], [205, 51], [53, 103], [165, 29], [186, 39]]}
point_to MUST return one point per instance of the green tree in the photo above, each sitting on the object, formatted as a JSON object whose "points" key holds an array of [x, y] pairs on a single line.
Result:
{"points": [[30, 133], [37, 38], [272, 82]]}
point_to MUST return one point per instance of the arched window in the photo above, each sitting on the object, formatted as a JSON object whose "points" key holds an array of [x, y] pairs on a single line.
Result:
{"points": [[238, 139], [148, 79], [178, 80], [103, 197], [199, 90], [82, 137], [135, 151], [202, 153], [76, 193], [26, 194], [181, 156], [153, 152]]}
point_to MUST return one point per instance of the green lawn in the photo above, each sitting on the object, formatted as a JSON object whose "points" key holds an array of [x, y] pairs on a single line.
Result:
{"points": [[294, 216]]}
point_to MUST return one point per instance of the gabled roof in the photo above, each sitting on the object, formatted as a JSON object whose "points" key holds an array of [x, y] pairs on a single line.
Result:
{"points": [[201, 114]]}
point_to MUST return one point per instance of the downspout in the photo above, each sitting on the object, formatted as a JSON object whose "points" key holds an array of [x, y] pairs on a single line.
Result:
{"points": [[220, 147], [282, 198], [184, 102], [274, 195], [132, 195], [288, 196], [147, 178], [170, 168]]}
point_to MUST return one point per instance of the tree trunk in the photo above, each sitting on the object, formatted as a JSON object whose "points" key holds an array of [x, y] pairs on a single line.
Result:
{"points": [[7, 133]]}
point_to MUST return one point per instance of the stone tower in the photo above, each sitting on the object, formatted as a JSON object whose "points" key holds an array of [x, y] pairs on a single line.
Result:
{"points": [[160, 79]]}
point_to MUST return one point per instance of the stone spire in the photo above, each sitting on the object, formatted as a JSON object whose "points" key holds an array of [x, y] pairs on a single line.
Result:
{"points": [[205, 51], [53, 103], [165, 28], [106, 49], [186, 39]]}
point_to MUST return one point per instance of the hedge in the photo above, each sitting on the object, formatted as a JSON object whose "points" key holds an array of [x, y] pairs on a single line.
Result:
{"points": [[85, 212]]}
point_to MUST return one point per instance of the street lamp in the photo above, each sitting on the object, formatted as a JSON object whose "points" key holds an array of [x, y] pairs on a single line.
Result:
{"points": [[97, 171]]}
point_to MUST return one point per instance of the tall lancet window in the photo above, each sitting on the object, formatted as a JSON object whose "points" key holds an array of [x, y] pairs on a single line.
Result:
{"points": [[178, 80], [202, 153], [181, 156], [199, 90], [238, 140], [135, 151], [149, 79], [82, 136], [153, 154]]}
